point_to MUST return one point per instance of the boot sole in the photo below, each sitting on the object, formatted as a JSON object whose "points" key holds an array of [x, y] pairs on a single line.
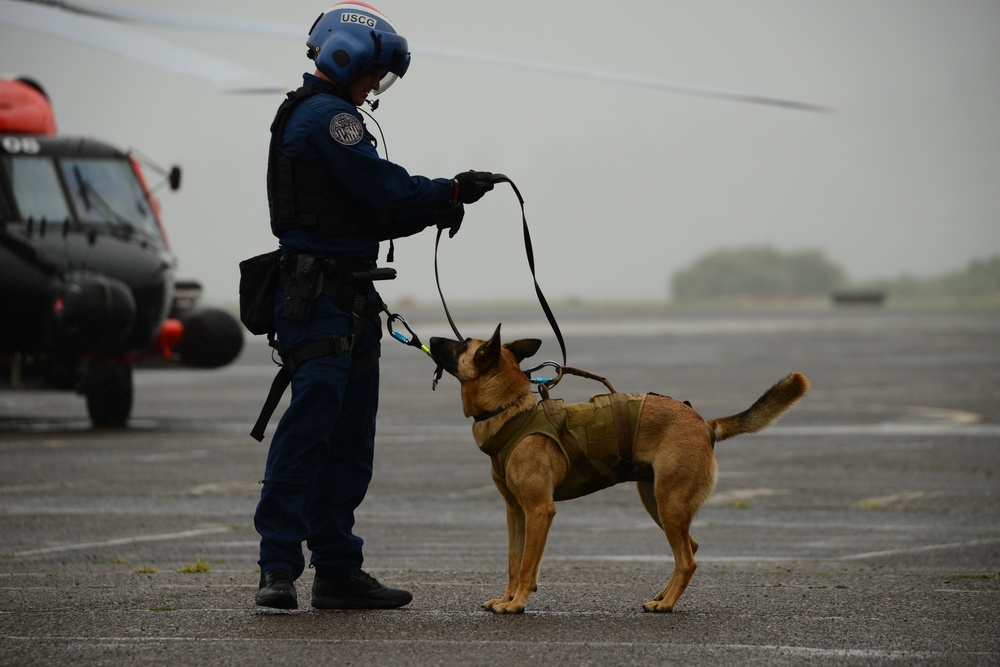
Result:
{"points": [[277, 602], [350, 602]]}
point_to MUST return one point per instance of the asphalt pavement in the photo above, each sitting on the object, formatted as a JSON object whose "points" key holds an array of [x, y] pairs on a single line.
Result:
{"points": [[863, 529]]}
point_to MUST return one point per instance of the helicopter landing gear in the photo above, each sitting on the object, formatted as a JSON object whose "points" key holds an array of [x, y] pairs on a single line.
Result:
{"points": [[107, 385]]}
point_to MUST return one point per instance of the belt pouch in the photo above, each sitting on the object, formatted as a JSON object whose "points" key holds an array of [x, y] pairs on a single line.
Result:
{"points": [[258, 281]]}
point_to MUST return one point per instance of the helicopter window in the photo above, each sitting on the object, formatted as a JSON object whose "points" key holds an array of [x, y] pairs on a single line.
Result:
{"points": [[36, 188], [105, 190]]}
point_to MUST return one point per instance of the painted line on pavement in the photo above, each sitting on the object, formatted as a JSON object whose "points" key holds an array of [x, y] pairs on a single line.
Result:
{"points": [[123, 540]]}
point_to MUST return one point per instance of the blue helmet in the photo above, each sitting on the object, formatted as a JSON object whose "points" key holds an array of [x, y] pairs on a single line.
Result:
{"points": [[353, 39]]}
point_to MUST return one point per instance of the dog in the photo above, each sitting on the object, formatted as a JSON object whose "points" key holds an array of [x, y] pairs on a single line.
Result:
{"points": [[670, 456]]}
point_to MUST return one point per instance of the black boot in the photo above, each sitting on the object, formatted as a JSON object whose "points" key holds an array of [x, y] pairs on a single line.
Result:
{"points": [[277, 590], [355, 590]]}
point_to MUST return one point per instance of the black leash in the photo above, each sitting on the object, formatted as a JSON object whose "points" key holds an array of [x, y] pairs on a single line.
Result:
{"points": [[500, 178], [437, 279]]}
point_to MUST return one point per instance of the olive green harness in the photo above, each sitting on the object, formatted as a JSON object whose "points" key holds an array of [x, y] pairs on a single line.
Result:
{"points": [[595, 437]]}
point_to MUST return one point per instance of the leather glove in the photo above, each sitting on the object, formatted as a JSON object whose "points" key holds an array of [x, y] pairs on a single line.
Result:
{"points": [[470, 186], [450, 219]]}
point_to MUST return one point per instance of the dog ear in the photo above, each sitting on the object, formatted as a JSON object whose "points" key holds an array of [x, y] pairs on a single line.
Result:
{"points": [[489, 353], [524, 348]]}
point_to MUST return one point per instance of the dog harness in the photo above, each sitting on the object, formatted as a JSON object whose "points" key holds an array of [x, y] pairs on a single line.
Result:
{"points": [[595, 437]]}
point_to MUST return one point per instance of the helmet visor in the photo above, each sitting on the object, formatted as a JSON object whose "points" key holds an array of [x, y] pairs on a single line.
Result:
{"points": [[386, 81], [395, 58]]}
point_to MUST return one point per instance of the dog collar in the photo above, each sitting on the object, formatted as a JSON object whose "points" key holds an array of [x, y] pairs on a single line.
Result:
{"points": [[483, 416]]}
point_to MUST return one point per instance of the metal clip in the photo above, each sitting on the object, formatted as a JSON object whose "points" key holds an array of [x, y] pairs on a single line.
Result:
{"points": [[412, 341]]}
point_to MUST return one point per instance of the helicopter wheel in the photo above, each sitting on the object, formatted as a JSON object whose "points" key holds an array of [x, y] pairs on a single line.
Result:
{"points": [[108, 388]]}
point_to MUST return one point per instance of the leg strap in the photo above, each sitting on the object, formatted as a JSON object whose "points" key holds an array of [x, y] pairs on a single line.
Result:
{"points": [[291, 361]]}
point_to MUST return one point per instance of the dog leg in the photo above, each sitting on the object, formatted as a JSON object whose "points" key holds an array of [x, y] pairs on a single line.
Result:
{"points": [[675, 517], [537, 521], [515, 547]]}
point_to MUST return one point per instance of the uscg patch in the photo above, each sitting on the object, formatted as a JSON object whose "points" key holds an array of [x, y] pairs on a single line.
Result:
{"points": [[346, 129]]}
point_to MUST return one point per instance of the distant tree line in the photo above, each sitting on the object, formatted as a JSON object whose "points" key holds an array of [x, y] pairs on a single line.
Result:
{"points": [[766, 272], [979, 278], [756, 272]]}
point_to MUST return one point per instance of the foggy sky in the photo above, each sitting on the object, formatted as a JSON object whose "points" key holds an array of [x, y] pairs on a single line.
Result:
{"points": [[623, 186]]}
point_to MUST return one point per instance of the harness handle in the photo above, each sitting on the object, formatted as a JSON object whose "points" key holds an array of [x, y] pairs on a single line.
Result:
{"points": [[545, 384], [529, 251]]}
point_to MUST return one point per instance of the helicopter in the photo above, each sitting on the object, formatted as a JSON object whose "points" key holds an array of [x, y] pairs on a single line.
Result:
{"points": [[87, 285]]}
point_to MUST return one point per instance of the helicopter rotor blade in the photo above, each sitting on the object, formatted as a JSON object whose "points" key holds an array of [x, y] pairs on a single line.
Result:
{"points": [[165, 18], [168, 19], [615, 77], [86, 28]]}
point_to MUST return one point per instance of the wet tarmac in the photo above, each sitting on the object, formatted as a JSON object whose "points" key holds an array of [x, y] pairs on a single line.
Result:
{"points": [[863, 529]]}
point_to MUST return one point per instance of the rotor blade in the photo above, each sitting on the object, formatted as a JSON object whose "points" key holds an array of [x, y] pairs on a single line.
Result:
{"points": [[614, 77], [165, 18], [168, 19], [145, 49]]}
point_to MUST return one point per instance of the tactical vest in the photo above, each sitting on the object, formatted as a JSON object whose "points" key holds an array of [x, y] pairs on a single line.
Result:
{"points": [[302, 195], [595, 437]]}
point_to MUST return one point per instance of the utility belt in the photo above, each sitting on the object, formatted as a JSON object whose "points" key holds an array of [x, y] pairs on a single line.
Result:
{"points": [[303, 278], [289, 264]]}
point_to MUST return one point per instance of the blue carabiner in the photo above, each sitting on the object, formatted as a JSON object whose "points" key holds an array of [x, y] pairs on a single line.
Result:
{"points": [[544, 364], [413, 341]]}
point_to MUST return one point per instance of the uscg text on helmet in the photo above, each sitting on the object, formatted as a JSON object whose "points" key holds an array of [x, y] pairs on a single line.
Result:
{"points": [[358, 18]]}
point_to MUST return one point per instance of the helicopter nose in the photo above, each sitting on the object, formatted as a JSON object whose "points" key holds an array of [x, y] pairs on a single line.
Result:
{"points": [[93, 312]]}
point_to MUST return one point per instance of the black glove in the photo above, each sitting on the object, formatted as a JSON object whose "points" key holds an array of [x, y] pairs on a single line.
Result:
{"points": [[470, 186], [450, 219]]}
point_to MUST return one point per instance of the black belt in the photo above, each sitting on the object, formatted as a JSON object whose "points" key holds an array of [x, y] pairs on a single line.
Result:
{"points": [[343, 295], [331, 266]]}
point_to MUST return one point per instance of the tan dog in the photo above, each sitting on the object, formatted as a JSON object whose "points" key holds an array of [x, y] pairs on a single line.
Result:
{"points": [[669, 440]]}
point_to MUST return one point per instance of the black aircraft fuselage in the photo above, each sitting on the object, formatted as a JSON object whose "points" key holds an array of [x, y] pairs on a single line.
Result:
{"points": [[84, 266], [87, 286]]}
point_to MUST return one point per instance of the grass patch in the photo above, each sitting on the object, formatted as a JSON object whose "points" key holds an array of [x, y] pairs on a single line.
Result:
{"points": [[976, 576], [146, 569], [197, 567], [870, 505]]}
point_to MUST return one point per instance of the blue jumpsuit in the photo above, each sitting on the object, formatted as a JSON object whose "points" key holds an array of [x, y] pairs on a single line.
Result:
{"points": [[320, 460]]}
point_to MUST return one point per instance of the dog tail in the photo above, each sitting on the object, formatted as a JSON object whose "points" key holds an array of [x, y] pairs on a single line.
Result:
{"points": [[765, 411]]}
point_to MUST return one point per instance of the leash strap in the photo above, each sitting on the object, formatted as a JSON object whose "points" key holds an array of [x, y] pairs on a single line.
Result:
{"points": [[529, 251], [437, 279]]}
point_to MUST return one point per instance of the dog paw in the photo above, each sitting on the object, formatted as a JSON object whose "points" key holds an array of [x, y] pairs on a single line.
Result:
{"points": [[508, 608], [490, 605], [657, 607]]}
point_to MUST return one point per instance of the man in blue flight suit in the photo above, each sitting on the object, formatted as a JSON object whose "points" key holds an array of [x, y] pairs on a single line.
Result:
{"points": [[332, 199]]}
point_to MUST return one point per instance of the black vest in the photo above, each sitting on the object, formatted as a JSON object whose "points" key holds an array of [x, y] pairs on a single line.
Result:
{"points": [[301, 195]]}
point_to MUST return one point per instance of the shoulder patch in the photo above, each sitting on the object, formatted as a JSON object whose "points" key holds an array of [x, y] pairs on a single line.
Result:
{"points": [[346, 129]]}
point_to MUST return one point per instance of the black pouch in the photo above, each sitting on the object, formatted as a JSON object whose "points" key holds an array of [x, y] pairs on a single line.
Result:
{"points": [[258, 282]]}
